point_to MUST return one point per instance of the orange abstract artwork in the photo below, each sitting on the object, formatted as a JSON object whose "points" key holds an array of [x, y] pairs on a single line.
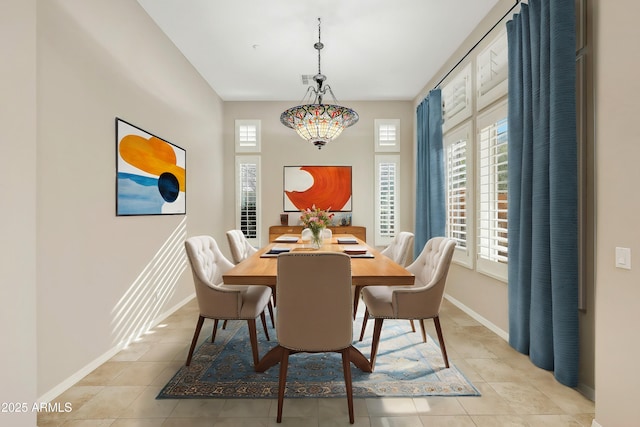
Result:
{"points": [[325, 187]]}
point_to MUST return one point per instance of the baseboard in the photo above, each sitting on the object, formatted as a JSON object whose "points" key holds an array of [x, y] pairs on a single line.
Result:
{"points": [[586, 391], [66, 384], [485, 322]]}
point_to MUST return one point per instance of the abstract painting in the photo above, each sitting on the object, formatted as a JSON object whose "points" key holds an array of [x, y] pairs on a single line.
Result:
{"points": [[151, 173], [326, 187]]}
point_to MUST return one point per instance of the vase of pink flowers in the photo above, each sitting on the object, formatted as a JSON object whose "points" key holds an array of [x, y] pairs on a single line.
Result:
{"points": [[316, 220]]}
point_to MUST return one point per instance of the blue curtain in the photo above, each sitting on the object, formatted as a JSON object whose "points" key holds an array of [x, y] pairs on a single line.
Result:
{"points": [[543, 187], [430, 194]]}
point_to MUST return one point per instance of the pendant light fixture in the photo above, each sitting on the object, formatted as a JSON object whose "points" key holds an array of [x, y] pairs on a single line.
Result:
{"points": [[316, 122]]}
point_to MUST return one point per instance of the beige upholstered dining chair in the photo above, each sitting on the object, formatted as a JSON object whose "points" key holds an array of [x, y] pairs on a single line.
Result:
{"points": [[305, 235], [314, 311], [219, 301], [240, 247], [419, 302], [400, 248]]}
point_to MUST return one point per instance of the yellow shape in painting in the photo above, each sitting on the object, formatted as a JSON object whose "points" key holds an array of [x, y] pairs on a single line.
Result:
{"points": [[152, 155]]}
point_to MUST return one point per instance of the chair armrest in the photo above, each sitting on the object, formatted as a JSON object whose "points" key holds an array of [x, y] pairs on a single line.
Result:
{"points": [[419, 303]]}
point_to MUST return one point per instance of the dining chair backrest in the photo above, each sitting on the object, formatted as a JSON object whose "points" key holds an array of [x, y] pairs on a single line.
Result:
{"points": [[240, 247], [431, 268], [400, 249], [314, 301], [219, 301], [208, 264], [306, 234]]}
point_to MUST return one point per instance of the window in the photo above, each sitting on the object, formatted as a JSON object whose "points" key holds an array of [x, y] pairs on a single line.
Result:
{"points": [[475, 156], [492, 72], [387, 133], [247, 182], [456, 99], [492, 247], [459, 180], [247, 136], [387, 198], [248, 197]]}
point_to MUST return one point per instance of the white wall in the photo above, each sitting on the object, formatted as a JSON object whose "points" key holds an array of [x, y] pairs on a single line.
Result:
{"points": [[281, 146], [96, 61], [618, 204], [17, 215]]}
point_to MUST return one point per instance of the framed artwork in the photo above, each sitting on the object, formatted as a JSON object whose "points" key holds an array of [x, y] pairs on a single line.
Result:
{"points": [[326, 187], [151, 173]]}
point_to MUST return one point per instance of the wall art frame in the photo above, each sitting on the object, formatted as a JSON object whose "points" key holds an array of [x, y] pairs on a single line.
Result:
{"points": [[326, 187], [150, 173]]}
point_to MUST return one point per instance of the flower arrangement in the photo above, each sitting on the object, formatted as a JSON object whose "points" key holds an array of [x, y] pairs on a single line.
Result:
{"points": [[316, 219]]}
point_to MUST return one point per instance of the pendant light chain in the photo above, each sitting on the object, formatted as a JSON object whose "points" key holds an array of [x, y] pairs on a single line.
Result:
{"points": [[319, 46]]}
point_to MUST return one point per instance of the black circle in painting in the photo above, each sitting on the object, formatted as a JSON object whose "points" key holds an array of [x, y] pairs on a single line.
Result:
{"points": [[169, 187]]}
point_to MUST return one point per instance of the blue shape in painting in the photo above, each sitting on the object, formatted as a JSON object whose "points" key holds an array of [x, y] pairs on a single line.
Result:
{"points": [[168, 186], [138, 195]]}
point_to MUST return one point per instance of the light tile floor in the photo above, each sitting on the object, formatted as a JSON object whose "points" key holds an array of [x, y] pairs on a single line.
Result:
{"points": [[121, 392]]}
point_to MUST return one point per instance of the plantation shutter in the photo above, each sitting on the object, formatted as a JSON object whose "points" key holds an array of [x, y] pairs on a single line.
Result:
{"points": [[247, 170], [247, 136], [386, 212], [456, 169], [492, 167], [492, 71], [387, 135], [456, 99]]}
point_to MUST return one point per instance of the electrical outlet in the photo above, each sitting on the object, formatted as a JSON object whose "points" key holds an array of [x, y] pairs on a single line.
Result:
{"points": [[623, 258]]}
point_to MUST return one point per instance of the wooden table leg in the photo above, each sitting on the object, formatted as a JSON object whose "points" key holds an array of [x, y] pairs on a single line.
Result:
{"points": [[271, 358], [274, 356], [359, 360]]}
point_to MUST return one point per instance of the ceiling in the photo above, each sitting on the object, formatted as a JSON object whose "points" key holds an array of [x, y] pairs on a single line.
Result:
{"points": [[258, 50]]}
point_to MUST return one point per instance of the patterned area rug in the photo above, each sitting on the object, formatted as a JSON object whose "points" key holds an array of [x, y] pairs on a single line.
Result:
{"points": [[405, 367]]}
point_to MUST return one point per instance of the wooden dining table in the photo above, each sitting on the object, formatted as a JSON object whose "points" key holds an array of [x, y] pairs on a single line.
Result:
{"points": [[370, 269]]}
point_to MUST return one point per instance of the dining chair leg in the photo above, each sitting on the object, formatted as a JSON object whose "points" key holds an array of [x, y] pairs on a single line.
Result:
{"points": [[273, 295], [195, 339], [224, 324], [215, 329], [253, 338], [263, 318], [273, 320], [282, 381], [413, 327], [377, 328], [436, 320], [346, 368], [364, 324], [356, 299], [424, 331]]}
